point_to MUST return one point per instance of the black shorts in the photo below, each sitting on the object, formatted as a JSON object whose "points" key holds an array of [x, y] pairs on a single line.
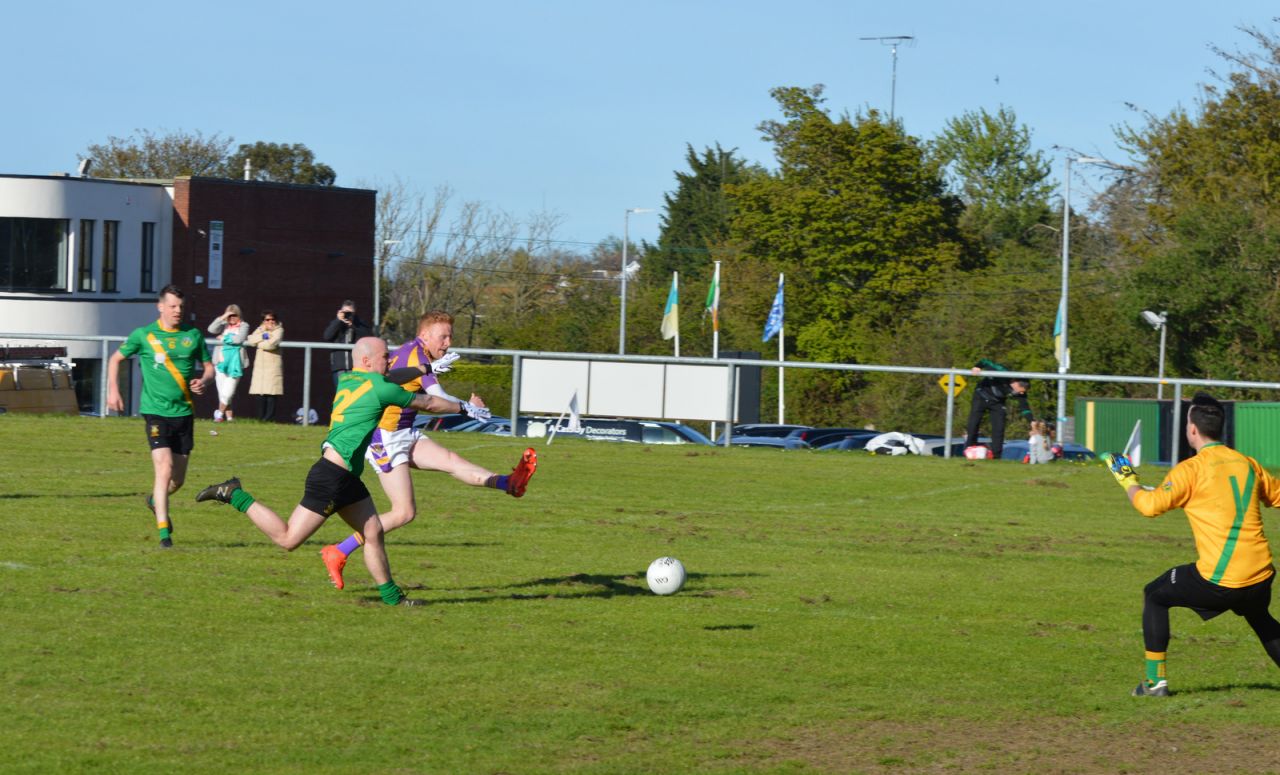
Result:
{"points": [[1184, 587], [331, 487], [175, 433]]}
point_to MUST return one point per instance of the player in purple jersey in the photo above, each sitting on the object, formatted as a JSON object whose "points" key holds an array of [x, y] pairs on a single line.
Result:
{"points": [[397, 446]]}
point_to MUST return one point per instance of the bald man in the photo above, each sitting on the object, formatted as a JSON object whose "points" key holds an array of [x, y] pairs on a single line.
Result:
{"points": [[333, 484]]}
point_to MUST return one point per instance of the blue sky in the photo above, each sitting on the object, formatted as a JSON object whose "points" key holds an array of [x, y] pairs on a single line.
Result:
{"points": [[582, 108]]}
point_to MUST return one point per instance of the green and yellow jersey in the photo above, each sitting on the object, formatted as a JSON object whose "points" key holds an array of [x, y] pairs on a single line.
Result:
{"points": [[1222, 492], [357, 407], [168, 359]]}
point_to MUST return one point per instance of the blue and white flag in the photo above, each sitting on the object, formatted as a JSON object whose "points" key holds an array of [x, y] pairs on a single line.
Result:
{"points": [[773, 325]]}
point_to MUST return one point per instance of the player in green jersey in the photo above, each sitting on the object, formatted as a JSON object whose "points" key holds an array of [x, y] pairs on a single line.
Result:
{"points": [[170, 353], [333, 484]]}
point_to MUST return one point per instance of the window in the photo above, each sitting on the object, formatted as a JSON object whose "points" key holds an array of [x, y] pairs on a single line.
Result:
{"points": [[110, 246], [33, 254], [85, 251], [148, 257]]}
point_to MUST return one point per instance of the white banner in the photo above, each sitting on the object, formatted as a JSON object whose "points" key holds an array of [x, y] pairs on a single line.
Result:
{"points": [[215, 254]]}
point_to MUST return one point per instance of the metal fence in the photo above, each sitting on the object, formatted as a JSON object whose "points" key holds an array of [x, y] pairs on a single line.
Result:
{"points": [[517, 356]]}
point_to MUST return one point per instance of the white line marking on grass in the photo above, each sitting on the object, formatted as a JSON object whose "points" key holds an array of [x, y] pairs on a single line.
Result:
{"points": [[14, 566]]}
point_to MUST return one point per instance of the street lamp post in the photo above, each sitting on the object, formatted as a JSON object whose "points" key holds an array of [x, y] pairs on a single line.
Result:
{"points": [[626, 238], [1159, 322], [1064, 360], [377, 282]]}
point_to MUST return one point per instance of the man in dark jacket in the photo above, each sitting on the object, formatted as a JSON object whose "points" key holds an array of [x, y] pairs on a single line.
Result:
{"points": [[345, 328], [990, 396]]}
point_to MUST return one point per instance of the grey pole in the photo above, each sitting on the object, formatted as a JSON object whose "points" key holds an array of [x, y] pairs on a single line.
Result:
{"points": [[622, 313], [102, 388], [732, 404], [517, 363], [1066, 253], [1177, 423], [1164, 326], [306, 386], [951, 412]]}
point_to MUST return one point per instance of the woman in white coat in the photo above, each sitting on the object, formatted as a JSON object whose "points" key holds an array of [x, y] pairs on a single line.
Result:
{"points": [[230, 359]]}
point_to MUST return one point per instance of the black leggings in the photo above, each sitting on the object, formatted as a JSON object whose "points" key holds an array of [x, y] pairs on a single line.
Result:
{"points": [[266, 408], [1184, 587]]}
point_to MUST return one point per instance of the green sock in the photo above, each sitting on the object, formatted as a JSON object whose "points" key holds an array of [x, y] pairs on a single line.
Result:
{"points": [[241, 501], [1155, 666], [390, 592], [165, 532]]}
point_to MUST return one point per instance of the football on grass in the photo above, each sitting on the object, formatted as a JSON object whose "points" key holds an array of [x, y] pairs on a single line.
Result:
{"points": [[665, 576]]}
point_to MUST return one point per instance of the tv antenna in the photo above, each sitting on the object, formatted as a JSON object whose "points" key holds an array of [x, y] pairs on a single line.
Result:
{"points": [[893, 41]]}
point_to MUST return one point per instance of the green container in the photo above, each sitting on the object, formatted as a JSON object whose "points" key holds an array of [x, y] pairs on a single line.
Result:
{"points": [[1104, 424], [1258, 431]]}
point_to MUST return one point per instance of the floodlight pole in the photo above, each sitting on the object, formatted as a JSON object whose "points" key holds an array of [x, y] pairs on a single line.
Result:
{"points": [[1064, 360], [622, 314]]}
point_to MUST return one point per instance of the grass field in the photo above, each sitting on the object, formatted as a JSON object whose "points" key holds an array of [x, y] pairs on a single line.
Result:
{"points": [[844, 613]]}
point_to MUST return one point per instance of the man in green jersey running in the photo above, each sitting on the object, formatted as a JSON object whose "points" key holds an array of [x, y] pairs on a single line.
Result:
{"points": [[168, 353], [333, 484]]}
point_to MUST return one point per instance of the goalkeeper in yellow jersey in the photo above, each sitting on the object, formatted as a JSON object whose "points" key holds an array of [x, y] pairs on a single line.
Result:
{"points": [[1222, 492]]}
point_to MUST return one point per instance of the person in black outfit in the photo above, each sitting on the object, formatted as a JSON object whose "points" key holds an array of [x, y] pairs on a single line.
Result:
{"points": [[345, 328], [990, 397]]}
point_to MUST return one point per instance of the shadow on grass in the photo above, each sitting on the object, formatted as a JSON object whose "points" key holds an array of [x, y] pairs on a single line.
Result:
{"points": [[1231, 687], [574, 587]]}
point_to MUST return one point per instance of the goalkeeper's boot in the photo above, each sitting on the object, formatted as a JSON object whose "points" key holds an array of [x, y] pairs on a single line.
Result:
{"points": [[219, 492], [522, 473], [1148, 689], [334, 562]]}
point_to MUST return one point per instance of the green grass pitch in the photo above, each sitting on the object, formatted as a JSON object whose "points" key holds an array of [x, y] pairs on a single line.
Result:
{"points": [[843, 613]]}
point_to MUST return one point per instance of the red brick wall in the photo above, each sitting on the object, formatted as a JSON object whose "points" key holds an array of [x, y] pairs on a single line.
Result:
{"points": [[296, 250]]}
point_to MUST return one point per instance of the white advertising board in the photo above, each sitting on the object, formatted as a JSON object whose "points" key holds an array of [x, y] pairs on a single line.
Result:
{"points": [[613, 389]]}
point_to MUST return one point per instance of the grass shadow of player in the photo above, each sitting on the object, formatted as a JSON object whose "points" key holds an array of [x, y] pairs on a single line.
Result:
{"points": [[1229, 687], [577, 586]]}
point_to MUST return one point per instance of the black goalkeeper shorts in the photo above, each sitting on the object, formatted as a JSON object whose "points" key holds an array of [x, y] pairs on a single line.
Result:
{"points": [[1184, 587]]}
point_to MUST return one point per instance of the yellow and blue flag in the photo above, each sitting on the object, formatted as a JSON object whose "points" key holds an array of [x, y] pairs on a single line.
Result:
{"points": [[671, 315]]}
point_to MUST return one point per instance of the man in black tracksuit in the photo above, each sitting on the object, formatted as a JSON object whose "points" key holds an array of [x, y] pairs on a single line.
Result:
{"points": [[990, 396], [345, 328]]}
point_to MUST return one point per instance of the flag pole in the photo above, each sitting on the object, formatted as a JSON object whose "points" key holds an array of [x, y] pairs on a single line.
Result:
{"points": [[715, 326], [781, 371], [675, 285]]}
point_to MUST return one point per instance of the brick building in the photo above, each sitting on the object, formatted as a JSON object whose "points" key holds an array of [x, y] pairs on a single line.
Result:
{"points": [[86, 256]]}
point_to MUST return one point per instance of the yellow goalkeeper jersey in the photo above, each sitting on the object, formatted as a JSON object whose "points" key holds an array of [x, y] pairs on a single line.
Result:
{"points": [[1221, 492]]}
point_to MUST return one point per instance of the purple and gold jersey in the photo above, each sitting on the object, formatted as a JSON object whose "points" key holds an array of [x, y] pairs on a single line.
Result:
{"points": [[410, 353]]}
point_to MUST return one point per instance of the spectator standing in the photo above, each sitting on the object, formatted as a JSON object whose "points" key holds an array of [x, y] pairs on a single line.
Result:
{"points": [[989, 398], [267, 382], [345, 328], [229, 359]]}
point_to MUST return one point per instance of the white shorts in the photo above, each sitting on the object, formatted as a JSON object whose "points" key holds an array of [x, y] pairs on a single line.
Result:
{"points": [[389, 449]]}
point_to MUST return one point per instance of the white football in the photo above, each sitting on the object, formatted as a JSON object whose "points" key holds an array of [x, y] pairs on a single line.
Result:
{"points": [[665, 576]]}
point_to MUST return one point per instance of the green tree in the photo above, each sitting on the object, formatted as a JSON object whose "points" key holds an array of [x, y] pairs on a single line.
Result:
{"points": [[857, 216], [279, 163], [151, 155], [1208, 254], [992, 167], [696, 217]]}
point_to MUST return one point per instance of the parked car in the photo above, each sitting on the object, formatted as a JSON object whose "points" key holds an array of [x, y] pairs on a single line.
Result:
{"points": [[763, 441], [1018, 449], [762, 429], [440, 422], [816, 437], [852, 442]]}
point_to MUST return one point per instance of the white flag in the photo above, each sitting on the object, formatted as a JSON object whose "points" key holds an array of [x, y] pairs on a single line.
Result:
{"points": [[1133, 449], [575, 419]]}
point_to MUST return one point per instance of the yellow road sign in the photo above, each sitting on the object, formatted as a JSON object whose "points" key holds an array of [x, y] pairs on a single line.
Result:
{"points": [[960, 383]]}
